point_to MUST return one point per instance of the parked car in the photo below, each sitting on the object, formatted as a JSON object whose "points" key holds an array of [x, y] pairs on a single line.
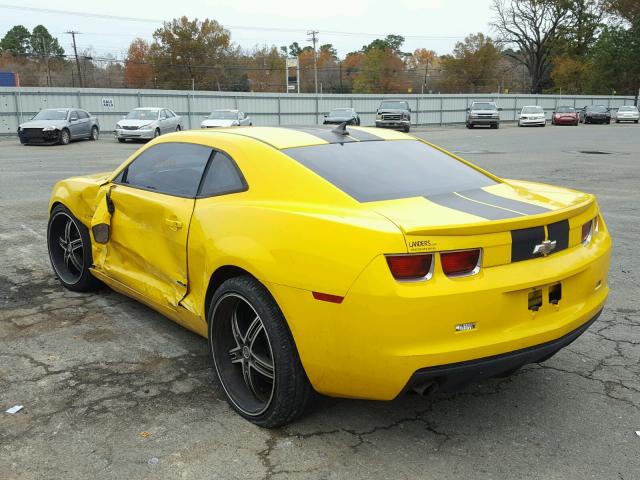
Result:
{"points": [[394, 114], [360, 266], [628, 113], [565, 116], [59, 125], [595, 114], [341, 115], [532, 115], [146, 123], [225, 118], [483, 113]]}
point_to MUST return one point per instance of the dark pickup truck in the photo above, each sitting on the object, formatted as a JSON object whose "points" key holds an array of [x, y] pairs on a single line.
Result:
{"points": [[394, 114]]}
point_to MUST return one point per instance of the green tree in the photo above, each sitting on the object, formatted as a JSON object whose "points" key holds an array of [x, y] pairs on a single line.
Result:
{"points": [[390, 42], [191, 50], [43, 43], [16, 41], [615, 61]]}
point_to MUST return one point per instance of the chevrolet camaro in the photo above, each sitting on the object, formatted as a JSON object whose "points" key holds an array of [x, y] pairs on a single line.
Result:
{"points": [[353, 262]]}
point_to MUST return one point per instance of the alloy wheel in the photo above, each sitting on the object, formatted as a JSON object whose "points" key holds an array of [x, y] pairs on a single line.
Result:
{"points": [[66, 248], [243, 355]]}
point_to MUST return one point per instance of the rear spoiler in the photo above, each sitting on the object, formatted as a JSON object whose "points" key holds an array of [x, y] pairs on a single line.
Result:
{"points": [[496, 226]]}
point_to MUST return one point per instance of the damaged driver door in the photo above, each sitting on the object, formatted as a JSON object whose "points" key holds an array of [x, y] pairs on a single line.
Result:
{"points": [[141, 225]]}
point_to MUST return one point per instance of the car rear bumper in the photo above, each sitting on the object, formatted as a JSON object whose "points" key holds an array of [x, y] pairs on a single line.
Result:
{"points": [[383, 332], [457, 375]]}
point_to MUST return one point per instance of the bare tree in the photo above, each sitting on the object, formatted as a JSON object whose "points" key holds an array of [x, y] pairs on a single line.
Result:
{"points": [[532, 27]]}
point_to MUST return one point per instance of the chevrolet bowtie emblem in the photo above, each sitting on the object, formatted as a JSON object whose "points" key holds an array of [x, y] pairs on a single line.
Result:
{"points": [[544, 248]]}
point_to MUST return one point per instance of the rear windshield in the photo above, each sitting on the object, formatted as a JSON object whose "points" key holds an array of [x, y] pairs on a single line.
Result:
{"points": [[386, 170]]}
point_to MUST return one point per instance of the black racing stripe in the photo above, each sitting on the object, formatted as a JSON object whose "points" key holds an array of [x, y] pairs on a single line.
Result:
{"points": [[451, 200], [363, 136], [559, 232], [522, 207], [524, 241], [324, 134]]}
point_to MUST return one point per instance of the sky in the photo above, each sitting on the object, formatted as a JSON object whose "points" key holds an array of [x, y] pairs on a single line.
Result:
{"points": [[347, 24]]}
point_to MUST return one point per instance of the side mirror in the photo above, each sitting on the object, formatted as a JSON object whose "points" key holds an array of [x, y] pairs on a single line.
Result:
{"points": [[468, 109], [73, 119]]}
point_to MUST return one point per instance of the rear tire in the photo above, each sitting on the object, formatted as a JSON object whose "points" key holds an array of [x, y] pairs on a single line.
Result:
{"points": [[178, 128], [406, 129], [254, 354], [122, 140], [69, 246]]}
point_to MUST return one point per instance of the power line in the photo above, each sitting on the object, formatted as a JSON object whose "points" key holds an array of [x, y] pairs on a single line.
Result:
{"points": [[237, 27]]}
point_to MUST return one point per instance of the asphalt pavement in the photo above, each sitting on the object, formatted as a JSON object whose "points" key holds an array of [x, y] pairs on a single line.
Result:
{"points": [[111, 389]]}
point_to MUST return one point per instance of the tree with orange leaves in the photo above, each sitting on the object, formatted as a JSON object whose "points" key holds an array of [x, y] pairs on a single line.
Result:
{"points": [[137, 72]]}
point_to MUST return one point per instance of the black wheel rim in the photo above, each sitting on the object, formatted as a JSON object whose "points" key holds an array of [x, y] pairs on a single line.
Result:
{"points": [[66, 248], [242, 354]]}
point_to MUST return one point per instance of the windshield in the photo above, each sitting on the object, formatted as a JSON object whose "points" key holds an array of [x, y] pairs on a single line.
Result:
{"points": [[566, 110], [51, 115], [394, 105], [221, 115], [483, 106], [143, 115], [340, 112], [597, 108], [386, 170], [532, 110], [628, 109]]}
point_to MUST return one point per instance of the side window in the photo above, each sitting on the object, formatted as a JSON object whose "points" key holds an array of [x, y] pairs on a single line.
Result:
{"points": [[170, 168], [74, 115], [241, 115], [82, 114], [170, 114], [222, 177]]}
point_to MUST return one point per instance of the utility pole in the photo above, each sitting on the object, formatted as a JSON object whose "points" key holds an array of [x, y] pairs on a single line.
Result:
{"points": [[314, 39], [73, 34]]}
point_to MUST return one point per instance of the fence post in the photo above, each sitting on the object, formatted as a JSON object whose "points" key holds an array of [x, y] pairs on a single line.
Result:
{"points": [[418, 111], [279, 111], [441, 110], [188, 107], [139, 100], [18, 102], [79, 99], [317, 110]]}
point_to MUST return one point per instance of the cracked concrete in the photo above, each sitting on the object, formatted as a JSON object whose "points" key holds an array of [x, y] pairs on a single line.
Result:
{"points": [[95, 371]]}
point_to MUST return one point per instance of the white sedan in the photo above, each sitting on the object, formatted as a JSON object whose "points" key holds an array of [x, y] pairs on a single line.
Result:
{"points": [[225, 118], [628, 113], [532, 115]]}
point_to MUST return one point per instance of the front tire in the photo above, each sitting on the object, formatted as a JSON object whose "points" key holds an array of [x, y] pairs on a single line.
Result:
{"points": [[122, 140], [178, 128], [95, 133], [69, 246], [156, 134], [254, 354], [406, 129], [65, 137]]}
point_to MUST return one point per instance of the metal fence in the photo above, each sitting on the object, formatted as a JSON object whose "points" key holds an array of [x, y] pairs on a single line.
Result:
{"points": [[20, 104]]}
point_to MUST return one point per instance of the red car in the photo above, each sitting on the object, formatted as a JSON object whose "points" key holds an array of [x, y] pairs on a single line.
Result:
{"points": [[565, 116]]}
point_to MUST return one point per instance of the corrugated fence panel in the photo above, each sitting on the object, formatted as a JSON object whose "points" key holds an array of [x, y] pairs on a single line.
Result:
{"points": [[19, 104]]}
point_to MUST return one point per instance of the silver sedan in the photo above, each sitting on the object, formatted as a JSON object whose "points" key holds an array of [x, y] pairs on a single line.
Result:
{"points": [[147, 123]]}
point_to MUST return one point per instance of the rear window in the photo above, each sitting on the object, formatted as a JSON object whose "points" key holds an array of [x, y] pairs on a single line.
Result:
{"points": [[386, 170]]}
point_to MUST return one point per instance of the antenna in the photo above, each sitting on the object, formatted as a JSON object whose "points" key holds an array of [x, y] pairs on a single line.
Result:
{"points": [[341, 129]]}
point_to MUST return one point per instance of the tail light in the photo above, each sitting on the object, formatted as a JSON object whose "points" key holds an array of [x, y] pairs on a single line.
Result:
{"points": [[461, 263], [589, 230], [410, 267]]}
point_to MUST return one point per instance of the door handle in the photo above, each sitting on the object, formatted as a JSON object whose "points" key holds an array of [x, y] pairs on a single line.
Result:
{"points": [[174, 225]]}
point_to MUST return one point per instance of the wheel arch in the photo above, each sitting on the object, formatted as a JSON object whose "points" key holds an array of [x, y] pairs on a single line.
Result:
{"points": [[218, 277]]}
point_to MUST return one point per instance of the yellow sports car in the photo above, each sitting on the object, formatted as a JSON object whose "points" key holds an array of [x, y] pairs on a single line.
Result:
{"points": [[354, 262]]}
